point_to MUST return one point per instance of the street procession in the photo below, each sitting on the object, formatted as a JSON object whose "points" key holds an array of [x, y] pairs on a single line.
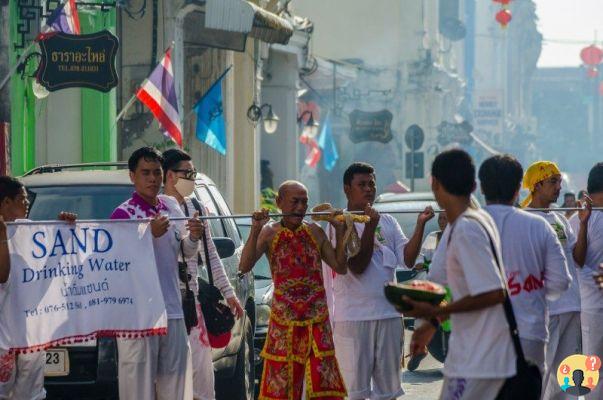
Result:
{"points": [[301, 199]]}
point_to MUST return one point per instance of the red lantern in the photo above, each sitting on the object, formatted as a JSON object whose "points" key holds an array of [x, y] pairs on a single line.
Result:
{"points": [[591, 55], [503, 17], [503, 3], [592, 72]]}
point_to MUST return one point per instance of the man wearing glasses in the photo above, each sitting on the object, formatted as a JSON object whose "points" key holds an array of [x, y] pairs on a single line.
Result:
{"points": [[179, 182]]}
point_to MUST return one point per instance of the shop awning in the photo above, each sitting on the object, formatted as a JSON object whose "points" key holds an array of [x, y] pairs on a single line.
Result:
{"points": [[248, 19]]}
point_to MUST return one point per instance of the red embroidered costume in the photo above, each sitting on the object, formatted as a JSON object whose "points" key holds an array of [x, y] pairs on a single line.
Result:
{"points": [[299, 344]]}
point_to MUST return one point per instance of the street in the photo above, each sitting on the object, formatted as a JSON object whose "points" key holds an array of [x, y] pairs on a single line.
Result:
{"points": [[424, 383]]}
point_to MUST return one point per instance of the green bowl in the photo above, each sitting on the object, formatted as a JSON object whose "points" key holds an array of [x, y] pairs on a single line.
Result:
{"points": [[395, 291]]}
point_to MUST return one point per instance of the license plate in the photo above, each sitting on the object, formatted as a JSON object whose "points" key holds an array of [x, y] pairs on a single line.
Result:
{"points": [[57, 363]]}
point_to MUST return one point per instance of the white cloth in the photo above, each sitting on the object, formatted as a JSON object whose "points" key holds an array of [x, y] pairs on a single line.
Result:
{"points": [[570, 299], [155, 368], [480, 343], [370, 351], [71, 282], [592, 340], [535, 267], [202, 361], [565, 340], [22, 376], [470, 389], [437, 269], [590, 294], [360, 297]]}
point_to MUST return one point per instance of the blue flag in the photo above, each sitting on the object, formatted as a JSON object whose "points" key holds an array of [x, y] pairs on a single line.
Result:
{"points": [[211, 128], [327, 145]]}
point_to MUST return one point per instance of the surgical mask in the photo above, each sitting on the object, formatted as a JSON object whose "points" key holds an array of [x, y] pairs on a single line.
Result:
{"points": [[185, 187]]}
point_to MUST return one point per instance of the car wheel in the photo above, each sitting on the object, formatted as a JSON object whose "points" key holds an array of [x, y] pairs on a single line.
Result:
{"points": [[241, 386]]}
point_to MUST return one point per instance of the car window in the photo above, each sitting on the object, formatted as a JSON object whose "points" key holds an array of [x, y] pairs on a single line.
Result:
{"points": [[215, 225], [408, 221], [261, 270], [229, 224], [87, 201]]}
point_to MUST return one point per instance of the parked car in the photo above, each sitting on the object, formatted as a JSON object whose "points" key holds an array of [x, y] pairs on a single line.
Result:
{"points": [[264, 289], [93, 191]]}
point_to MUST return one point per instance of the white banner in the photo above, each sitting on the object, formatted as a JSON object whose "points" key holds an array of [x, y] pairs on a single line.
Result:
{"points": [[71, 283]]}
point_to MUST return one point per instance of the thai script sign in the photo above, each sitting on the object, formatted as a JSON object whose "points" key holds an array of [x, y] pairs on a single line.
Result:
{"points": [[79, 61]]}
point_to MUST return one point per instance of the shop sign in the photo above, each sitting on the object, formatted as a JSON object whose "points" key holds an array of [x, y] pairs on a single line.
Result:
{"points": [[86, 61], [371, 126]]}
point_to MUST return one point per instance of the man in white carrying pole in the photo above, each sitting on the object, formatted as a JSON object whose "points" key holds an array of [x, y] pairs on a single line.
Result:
{"points": [[21, 376]]}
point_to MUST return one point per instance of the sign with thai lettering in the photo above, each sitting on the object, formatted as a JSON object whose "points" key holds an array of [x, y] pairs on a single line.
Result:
{"points": [[371, 126], [71, 283], [79, 61]]}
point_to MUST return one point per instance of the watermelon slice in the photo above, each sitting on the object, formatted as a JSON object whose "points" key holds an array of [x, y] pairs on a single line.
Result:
{"points": [[418, 290]]}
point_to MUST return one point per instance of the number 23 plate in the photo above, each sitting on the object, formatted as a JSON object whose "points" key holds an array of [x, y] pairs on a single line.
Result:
{"points": [[57, 362]]}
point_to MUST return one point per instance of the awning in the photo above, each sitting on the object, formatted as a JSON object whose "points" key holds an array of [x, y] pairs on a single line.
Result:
{"points": [[248, 19]]}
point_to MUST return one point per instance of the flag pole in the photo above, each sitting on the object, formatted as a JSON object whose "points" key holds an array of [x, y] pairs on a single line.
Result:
{"points": [[207, 91], [125, 108], [16, 66]]}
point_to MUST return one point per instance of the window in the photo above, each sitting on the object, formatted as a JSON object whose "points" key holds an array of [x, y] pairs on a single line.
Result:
{"points": [[87, 201], [229, 223], [215, 225]]}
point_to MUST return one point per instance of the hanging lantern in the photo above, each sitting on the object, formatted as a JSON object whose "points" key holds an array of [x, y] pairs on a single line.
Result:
{"points": [[591, 55], [503, 17], [503, 3], [592, 72]]}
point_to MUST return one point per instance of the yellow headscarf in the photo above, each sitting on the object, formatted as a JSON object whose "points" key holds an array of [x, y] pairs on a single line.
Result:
{"points": [[536, 173]]}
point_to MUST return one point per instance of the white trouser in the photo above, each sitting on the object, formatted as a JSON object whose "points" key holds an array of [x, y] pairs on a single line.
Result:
{"points": [[370, 351], [22, 378], [155, 367], [203, 368], [471, 388], [565, 339], [592, 343], [534, 351]]}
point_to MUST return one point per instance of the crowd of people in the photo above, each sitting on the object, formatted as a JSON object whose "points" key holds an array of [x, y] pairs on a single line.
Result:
{"points": [[524, 284]]}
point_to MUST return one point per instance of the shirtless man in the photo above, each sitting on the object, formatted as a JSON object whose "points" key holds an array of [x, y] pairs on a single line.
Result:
{"points": [[299, 352]]}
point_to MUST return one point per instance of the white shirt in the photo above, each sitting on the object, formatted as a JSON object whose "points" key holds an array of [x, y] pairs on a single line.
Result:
{"points": [[429, 246], [361, 297], [535, 266], [480, 342], [570, 299], [591, 295]]}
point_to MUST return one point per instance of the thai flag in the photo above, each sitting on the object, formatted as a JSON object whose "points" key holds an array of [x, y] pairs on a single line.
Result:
{"points": [[64, 18], [158, 93]]}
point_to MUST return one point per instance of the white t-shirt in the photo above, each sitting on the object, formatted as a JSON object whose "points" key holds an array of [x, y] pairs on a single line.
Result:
{"points": [[591, 295], [480, 342], [428, 247], [361, 297], [570, 299], [536, 269]]}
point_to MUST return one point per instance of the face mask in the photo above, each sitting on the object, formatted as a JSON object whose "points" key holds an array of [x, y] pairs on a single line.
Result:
{"points": [[185, 187]]}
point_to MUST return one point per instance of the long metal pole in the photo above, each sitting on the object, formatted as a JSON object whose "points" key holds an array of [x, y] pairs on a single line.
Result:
{"points": [[241, 216]]}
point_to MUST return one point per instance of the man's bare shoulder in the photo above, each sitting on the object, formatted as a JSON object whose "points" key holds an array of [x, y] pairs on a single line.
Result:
{"points": [[269, 230], [316, 230]]}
